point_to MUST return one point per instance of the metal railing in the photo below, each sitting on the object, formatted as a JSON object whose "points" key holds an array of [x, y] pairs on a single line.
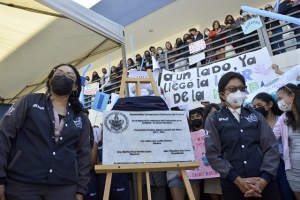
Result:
{"points": [[237, 42]]}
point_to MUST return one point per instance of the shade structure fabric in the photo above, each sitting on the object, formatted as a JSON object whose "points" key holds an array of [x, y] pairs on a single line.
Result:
{"points": [[37, 35]]}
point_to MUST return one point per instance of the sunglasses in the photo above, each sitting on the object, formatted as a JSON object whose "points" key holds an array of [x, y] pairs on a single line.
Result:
{"points": [[70, 75], [233, 89]]}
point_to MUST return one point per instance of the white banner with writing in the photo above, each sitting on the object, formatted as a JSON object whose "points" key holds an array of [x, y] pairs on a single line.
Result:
{"points": [[146, 137], [181, 88], [291, 76]]}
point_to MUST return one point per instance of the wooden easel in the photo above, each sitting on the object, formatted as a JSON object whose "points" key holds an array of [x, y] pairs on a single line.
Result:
{"points": [[139, 168]]}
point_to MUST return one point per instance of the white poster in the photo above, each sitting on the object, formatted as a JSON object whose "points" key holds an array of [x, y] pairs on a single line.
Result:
{"points": [[197, 46], [198, 84], [196, 58], [251, 25], [146, 89], [291, 76], [146, 137]]}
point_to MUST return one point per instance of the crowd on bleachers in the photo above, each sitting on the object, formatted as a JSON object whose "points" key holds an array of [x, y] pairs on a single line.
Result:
{"points": [[222, 41]]}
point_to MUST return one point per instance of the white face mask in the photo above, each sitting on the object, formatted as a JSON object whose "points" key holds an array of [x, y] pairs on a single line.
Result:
{"points": [[284, 106], [160, 51], [236, 99], [206, 32], [244, 14]]}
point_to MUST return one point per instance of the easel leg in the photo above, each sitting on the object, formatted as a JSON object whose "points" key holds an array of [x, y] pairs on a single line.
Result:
{"points": [[140, 185], [187, 185], [107, 186], [148, 186]]}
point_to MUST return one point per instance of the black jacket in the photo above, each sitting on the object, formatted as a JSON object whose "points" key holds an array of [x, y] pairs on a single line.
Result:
{"points": [[198, 37], [286, 9], [29, 153], [247, 148], [234, 28]]}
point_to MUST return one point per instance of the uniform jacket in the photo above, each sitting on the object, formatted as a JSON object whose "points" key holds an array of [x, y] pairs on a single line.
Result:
{"points": [[29, 153], [286, 8], [247, 148]]}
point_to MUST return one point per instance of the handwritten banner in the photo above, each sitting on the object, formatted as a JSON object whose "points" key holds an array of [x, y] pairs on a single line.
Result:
{"points": [[251, 25], [91, 89], [291, 76], [198, 84], [197, 46], [204, 170]]}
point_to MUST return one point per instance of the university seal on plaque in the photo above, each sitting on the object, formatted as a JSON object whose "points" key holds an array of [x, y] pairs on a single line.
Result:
{"points": [[116, 122]]}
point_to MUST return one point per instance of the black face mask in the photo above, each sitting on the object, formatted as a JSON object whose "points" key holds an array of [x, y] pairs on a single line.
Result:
{"points": [[197, 122], [138, 59], [262, 111], [61, 85]]}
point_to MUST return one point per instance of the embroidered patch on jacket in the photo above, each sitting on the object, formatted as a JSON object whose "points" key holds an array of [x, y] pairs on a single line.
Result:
{"points": [[206, 133], [78, 122], [252, 118], [223, 119], [10, 110], [37, 106]]}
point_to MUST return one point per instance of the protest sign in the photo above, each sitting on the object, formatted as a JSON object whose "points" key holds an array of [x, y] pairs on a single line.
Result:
{"points": [[197, 46], [196, 58], [251, 25], [204, 170], [146, 137], [91, 89], [146, 88], [290, 76], [197, 84]]}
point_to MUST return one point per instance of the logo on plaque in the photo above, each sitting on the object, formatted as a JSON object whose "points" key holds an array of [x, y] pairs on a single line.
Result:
{"points": [[116, 122]]}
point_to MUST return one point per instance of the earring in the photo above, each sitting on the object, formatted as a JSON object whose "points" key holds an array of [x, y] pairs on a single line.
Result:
{"points": [[75, 92]]}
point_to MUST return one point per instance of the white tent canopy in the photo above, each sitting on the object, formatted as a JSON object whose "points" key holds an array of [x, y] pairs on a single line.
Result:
{"points": [[36, 36]]}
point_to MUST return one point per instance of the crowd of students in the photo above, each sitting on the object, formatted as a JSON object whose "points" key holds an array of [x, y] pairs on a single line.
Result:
{"points": [[219, 38]]}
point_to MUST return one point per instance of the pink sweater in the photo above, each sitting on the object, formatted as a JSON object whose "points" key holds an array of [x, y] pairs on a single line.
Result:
{"points": [[281, 130]]}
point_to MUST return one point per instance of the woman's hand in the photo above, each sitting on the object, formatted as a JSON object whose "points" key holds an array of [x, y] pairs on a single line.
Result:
{"points": [[248, 185]]}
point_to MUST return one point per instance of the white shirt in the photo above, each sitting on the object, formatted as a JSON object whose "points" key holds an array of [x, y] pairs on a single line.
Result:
{"points": [[236, 113]]}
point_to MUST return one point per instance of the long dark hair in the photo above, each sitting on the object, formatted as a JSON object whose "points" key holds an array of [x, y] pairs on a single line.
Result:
{"points": [[131, 61], [265, 97], [291, 119], [73, 99], [213, 25], [226, 19], [208, 109]]}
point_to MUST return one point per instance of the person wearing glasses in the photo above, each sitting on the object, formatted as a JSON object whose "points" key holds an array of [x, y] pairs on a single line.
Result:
{"points": [[266, 105], [288, 129], [240, 145], [45, 147]]}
